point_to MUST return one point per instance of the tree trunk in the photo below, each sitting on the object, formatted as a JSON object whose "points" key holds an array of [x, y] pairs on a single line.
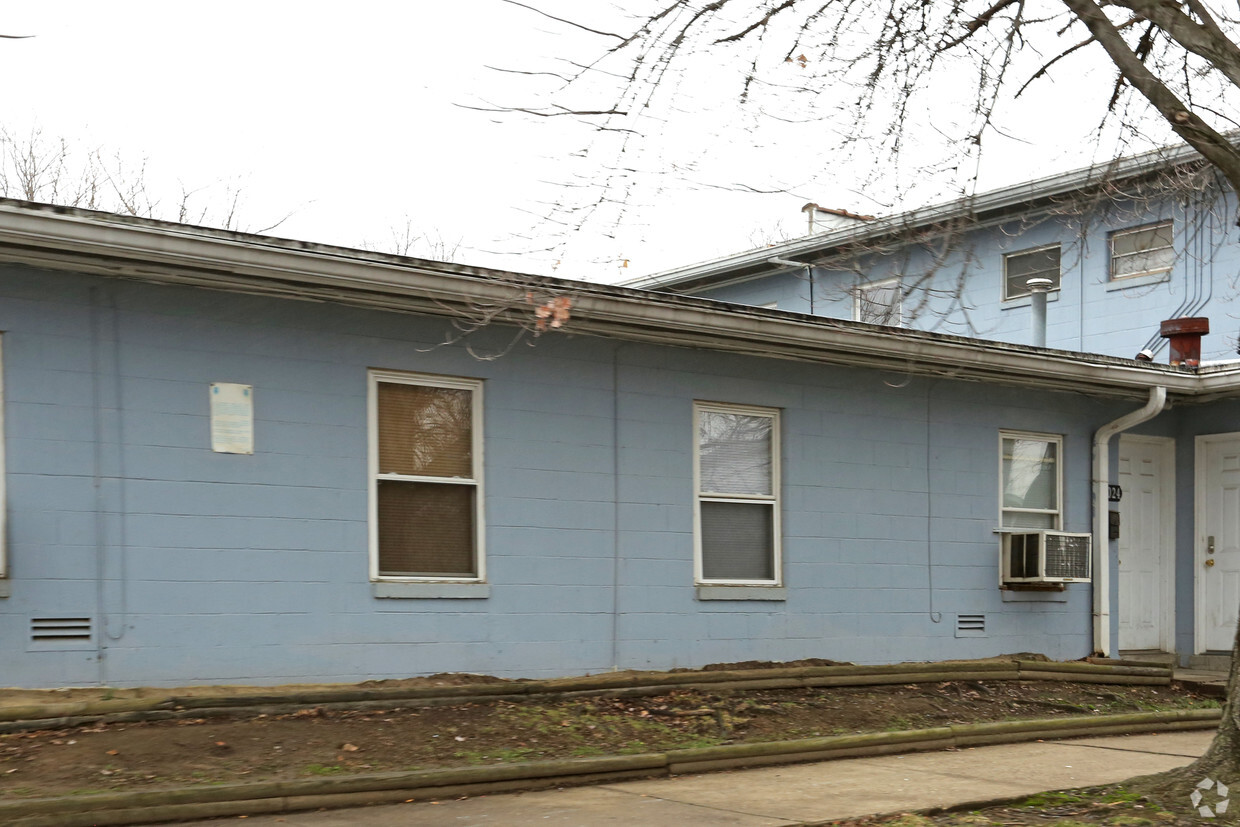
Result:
{"points": [[1222, 759]]}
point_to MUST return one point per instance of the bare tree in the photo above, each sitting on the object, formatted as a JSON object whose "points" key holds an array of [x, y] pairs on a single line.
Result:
{"points": [[880, 75], [38, 167], [910, 90], [407, 239]]}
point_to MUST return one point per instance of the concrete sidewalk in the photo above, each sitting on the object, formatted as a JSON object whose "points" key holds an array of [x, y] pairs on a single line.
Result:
{"points": [[784, 796]]}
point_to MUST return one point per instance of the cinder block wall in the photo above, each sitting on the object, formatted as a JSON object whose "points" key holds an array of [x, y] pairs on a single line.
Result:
{"points": [[959, 291], [196, 567]]}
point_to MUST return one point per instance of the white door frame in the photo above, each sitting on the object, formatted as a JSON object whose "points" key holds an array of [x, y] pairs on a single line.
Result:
{"points": [[1199, 480], [1166, 483]]}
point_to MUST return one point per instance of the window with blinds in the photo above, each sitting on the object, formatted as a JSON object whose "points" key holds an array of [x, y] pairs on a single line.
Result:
{"points": [[737, 473], [1018, 268], [426, 468], [1142, 251]]}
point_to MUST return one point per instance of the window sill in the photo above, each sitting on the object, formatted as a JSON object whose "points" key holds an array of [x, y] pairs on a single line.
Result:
{"points": [[1024, 301], [451, 591], [1013, 594], [1138, 281], [741, 593]]}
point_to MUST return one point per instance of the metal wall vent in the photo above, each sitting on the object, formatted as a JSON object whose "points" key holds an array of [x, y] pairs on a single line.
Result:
{"points": [[54, 630], [970, 625]]}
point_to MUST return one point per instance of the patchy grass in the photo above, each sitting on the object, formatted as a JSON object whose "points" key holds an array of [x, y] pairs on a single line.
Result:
{"points": [[322, 742]]}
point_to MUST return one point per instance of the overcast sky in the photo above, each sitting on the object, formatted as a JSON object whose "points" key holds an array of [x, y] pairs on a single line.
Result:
{"points": [[349, 117]]}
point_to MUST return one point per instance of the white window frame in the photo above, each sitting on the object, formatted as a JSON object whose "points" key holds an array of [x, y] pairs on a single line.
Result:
{"points": [[1132, 231], [429, 380], [1007, 257], [701, 496], [1057, 441], [885, 284]]}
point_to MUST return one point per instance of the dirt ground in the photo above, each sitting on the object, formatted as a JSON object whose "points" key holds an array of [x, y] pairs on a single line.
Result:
{"points": [[318, 742]]}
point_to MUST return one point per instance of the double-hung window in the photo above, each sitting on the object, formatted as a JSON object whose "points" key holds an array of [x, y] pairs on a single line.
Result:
{"points": [[426, 478], [880, 302], [1018, 268], [1030, 480], [1142, 251], [736, 457]]}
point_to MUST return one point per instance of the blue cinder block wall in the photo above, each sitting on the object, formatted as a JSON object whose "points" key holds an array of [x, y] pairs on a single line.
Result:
{"points": [[197, 567], [957, 287]]}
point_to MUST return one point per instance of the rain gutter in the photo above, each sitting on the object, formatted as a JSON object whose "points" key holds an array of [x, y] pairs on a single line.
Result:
{"points": [[973, 208], [158, 252], [1102, 545]]}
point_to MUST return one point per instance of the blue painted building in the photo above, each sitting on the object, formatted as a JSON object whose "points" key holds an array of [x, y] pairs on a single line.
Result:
{"points": [[1125, 246], [232, 458]]}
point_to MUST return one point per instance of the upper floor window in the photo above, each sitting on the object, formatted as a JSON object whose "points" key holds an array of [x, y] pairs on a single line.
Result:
{"points": [[1030, 480], [1142, 251], [1018, 268], [426, 477], [880, 302], [737, 472]]}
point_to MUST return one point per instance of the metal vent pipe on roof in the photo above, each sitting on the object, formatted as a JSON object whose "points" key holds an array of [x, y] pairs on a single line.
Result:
{"points": [[1037, 305], [1185, 337]]}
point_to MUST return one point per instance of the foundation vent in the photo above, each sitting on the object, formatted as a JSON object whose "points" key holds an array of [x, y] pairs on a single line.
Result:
{"points": [[970, 625], [60, 632]]}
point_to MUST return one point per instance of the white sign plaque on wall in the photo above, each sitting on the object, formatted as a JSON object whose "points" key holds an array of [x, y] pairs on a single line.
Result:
{"points": [[232, 418]]}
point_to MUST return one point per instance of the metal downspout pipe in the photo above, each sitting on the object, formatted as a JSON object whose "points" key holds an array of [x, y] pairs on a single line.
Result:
{"points": [[809, 271], [1102, 544]]}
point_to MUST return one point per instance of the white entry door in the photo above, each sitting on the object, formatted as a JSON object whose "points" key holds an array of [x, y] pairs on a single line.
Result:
{"points": [[1146, 543], [1217, 553]]}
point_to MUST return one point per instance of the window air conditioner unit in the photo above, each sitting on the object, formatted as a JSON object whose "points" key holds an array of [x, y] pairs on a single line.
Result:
{"points": [[1045, 557]]}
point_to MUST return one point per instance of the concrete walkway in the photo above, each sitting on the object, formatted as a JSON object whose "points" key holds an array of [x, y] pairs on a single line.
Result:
{"points": [[796, 794]]}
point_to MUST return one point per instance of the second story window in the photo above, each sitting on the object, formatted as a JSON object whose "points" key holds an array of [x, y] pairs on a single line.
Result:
{"points": [[1018, 268], [880, 302], [1142, 251]]}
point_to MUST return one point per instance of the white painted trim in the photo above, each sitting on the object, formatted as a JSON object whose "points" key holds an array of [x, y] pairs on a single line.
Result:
{"points": [[126, 247], [1166, 485], [880, 285], [774, 499], [1059, 462], [1200, 446], [374, 377]]}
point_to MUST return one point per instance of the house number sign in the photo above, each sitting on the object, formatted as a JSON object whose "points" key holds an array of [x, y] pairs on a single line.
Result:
{"points": [[232, 418], [1114, 493]]}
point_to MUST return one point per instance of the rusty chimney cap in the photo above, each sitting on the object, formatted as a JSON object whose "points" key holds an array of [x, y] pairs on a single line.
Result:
{"points": [[1189, 324]]}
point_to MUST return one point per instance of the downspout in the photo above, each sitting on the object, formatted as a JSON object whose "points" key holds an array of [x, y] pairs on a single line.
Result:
{"points": [[1102, 544], [809, 272]]}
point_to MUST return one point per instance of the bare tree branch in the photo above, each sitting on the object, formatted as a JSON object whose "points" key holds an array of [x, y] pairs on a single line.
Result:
{"points": [[562, 20]]}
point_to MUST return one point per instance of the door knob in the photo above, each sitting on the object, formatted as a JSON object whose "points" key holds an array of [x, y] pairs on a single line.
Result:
{"points": [[1210, 562]]}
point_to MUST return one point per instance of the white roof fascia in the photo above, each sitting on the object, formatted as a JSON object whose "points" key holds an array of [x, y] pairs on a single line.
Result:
{"points": [[1007, 197], [173, 254]]}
